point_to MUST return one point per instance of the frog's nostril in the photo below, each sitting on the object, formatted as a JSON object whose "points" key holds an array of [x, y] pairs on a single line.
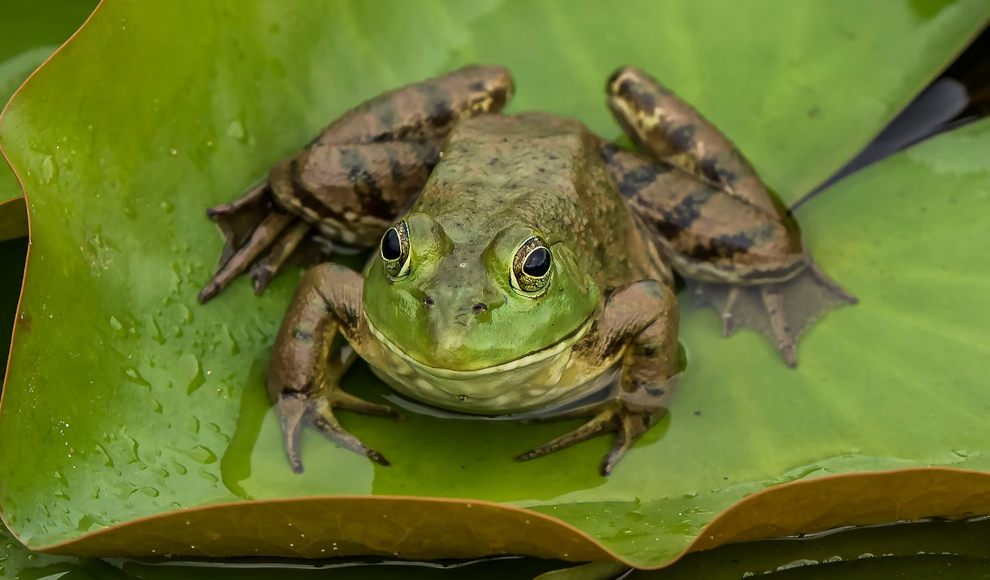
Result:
{"points": [[427, 301], [479, 308]]}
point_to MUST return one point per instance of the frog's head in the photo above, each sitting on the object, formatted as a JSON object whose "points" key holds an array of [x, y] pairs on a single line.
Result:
{"points": [[486, 303]]}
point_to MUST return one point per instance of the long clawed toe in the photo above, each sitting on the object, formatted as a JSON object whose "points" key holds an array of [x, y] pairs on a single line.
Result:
{"points": [[296, 411], [260, 238], [780, 311], [608, 417]]}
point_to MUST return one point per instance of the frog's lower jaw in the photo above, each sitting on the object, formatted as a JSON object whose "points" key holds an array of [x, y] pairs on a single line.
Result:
{"points": [[533, 381]]}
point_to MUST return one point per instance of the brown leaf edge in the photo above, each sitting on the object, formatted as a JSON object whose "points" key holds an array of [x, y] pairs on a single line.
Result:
{"points": [[419, 528]]}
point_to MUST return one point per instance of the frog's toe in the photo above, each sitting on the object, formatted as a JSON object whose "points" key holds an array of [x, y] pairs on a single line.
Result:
{"points": [[780, 328], [341, 399], [278, 253], [292, 412], [729, 322], [296, 410], [598, 425], [628, 424], [260, 239], [327, 424]]}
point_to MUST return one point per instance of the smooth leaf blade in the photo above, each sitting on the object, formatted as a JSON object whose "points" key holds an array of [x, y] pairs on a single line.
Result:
{"points": [[125, 399], [29, 33]]}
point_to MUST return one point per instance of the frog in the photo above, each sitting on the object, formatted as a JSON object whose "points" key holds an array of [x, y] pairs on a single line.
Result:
{"points": [[521, 265]]}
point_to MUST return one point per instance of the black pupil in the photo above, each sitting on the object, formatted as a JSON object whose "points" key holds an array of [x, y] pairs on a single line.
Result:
{"points": [[391, 249], [537, 263]]}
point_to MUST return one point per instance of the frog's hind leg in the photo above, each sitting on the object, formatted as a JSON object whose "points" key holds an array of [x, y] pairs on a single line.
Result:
{"points": [[353, 179], [737, 246]]}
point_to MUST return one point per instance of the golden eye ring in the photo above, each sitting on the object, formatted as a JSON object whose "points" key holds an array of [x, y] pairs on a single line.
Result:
{"points": [[532, 267], [394, 250]]}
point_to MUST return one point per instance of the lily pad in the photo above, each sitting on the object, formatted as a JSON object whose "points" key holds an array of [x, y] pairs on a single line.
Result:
{"points": [[135, 421], [29, 33]]}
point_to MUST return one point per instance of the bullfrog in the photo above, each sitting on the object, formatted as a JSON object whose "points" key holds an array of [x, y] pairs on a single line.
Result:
{"points": [[521, 263]]}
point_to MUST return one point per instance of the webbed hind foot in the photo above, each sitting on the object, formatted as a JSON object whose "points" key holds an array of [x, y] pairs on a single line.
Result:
{"points": [[780, 311]]}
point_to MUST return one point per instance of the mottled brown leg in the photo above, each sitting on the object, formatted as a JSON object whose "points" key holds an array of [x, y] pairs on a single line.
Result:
{"points": [[668, 128], [357, 175], [306, 367], [644, 318], [717, 222]]}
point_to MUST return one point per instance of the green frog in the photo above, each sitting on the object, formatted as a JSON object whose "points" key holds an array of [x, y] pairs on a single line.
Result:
{"points": [[521, 263]]}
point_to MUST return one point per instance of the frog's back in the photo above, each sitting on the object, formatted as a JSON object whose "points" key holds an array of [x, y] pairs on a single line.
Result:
{"points": [[544, 171]]}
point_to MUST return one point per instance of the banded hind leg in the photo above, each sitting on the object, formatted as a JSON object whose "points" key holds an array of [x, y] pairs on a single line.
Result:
{"points": [[737, 246], [350, 183]]}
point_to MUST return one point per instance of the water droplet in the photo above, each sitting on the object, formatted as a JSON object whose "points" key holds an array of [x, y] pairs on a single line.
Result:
{"points": [[108, 462], [61, 479], [187, 314], [236, 130], [234, 347], [179, 468], [136, 377], [167, 206], [96, 492], [189, 366], [149, 491], [209, 477], [47, 169], [202, 455]]}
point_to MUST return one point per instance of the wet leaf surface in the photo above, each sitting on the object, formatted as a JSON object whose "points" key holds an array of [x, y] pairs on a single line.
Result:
{"points": [[29, 33], [126, 399]]}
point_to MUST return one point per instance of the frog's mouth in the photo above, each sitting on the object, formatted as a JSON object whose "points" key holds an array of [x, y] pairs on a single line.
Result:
{"points": [[524, 361]]}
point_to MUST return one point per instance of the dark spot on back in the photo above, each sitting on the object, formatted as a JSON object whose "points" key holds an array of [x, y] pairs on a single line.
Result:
{"points": [[683, 137]]}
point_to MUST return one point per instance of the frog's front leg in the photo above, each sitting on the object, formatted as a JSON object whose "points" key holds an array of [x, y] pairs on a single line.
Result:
{"points": [[353, 179], [306, 367], [722, 229], [639, 323]]}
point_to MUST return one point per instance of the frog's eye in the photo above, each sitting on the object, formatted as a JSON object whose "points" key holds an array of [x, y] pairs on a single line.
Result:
{"points": [[530, 273], [395, 250]]}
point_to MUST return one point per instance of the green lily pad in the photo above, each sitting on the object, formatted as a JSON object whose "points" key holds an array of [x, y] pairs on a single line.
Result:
{"points": [[125, 399], [29, 33]]}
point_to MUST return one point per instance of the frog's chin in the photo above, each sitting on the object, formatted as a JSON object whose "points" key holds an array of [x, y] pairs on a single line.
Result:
{"points": [[474, 374]]}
